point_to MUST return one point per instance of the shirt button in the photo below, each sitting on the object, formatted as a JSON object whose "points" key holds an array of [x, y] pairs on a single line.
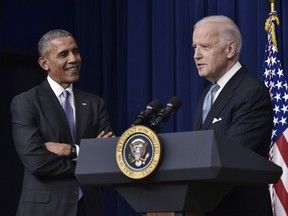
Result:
{"points": [[75, 192]]}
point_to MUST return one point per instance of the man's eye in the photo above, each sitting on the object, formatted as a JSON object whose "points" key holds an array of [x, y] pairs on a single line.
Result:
{"points": [[62, 54], [76, 52]]}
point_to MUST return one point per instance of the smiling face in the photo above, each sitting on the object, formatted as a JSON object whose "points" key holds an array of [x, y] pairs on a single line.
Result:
{"points": [[62, 61], [212, 55]]}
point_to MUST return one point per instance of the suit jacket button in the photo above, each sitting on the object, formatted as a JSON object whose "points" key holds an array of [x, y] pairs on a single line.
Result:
{"points": [[75, 192]]}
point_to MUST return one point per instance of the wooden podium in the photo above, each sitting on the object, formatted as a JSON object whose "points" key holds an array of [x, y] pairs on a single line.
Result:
{"points": [[194, 165]]}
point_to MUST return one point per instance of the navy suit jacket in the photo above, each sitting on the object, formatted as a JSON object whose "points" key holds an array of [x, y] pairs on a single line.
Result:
{"points": [[49, 184], [242, 113]]}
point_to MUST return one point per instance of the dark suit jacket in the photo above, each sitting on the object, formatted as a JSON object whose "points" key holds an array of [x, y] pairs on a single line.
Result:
{"points": [[49, 185], [245, 107]]}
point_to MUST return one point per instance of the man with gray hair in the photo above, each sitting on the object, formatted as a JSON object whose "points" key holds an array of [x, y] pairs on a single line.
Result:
{"points": [[235, 105]]}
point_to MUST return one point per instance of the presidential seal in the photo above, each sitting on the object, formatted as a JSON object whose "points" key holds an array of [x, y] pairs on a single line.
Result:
{"points": [[138, 152]]}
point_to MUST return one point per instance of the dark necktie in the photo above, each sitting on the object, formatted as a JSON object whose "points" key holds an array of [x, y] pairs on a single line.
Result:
{"points": [[69, 112], [208, 101]]}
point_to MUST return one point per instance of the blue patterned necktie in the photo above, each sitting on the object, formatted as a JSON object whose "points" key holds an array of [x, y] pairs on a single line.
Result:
{"points": [[208, 101], [69, 112]]}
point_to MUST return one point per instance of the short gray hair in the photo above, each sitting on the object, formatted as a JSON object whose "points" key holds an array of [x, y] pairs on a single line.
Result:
{"points": [[228, 29], [43, 43]]}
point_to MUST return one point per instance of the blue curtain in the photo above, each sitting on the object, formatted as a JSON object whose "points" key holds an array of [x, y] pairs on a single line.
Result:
{"points": [[137, 51]]}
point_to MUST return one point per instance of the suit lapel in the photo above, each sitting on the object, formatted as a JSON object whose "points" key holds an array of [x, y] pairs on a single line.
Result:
{"points": [[198, 115], [54, 111], [219, 104], [51, 111], [49, 99], [82, 106], [223, 98]]}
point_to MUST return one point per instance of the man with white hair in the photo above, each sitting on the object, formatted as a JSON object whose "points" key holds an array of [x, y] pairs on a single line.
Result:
{"points": [[241, 107]]}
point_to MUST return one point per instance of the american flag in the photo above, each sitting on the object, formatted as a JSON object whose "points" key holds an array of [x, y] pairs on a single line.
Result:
{"points": [[275, 80]]}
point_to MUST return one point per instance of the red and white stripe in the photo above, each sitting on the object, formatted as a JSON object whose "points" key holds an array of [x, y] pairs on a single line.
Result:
{"points": [[279, 191]]}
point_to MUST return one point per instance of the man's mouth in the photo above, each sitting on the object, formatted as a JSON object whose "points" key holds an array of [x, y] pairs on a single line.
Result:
{"points": [[199, 65], [72, 69]]}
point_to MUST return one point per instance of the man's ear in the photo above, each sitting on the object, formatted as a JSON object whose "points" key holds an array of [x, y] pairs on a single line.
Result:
{"points": [[43, 63], [231, 49]]}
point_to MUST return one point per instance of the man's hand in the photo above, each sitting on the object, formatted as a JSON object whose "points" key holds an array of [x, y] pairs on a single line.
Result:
{"points": [[61, 149], [105, 135]]}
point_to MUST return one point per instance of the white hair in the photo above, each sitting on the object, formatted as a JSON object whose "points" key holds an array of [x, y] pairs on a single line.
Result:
{"points": [[228, 29]]}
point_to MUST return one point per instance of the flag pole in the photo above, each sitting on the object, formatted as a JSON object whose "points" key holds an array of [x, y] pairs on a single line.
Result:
{"points": [[269, 25], [278, 147], [272, 3]]}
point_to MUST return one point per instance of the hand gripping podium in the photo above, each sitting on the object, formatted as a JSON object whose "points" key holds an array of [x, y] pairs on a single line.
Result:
{"points": [[196, 171]]}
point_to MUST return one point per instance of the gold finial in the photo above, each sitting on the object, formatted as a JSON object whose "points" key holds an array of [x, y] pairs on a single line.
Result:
{"points": [[272, 2]]}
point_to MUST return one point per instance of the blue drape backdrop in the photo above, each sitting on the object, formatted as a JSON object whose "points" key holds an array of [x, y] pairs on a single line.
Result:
{"points": [[137, 51], [140, 50]]}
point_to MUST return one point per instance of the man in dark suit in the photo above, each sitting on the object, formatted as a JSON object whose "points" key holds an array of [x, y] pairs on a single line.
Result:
{"points": [[241, 110], [43, 139]]}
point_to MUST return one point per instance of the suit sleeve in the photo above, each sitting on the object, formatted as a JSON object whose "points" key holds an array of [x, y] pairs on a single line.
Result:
{"points": [[252, 121], [29, 140], [104, 118]]}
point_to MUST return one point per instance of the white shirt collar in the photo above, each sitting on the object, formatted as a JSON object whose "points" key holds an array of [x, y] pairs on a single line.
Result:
{"points": [[226, 77], [58, 89], [230, 73]]}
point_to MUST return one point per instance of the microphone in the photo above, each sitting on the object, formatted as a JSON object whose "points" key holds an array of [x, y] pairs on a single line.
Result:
{"points": [[152, 108], [163, 115]]}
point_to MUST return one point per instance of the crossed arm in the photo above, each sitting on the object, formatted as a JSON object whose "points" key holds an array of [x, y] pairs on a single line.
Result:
{"points": [[64, 149]]}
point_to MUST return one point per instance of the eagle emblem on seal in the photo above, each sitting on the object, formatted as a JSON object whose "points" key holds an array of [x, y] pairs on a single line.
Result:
{"points": [[138, 155]]}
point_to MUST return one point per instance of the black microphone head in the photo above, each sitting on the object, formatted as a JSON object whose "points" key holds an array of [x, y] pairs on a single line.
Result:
{"points": [[172, 106], [155, 105], [175, 102], [152, 108], [163, 115]]}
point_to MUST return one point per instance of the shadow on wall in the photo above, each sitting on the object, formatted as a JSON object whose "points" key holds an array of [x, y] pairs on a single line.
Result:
{"points": [[20, 72]]}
